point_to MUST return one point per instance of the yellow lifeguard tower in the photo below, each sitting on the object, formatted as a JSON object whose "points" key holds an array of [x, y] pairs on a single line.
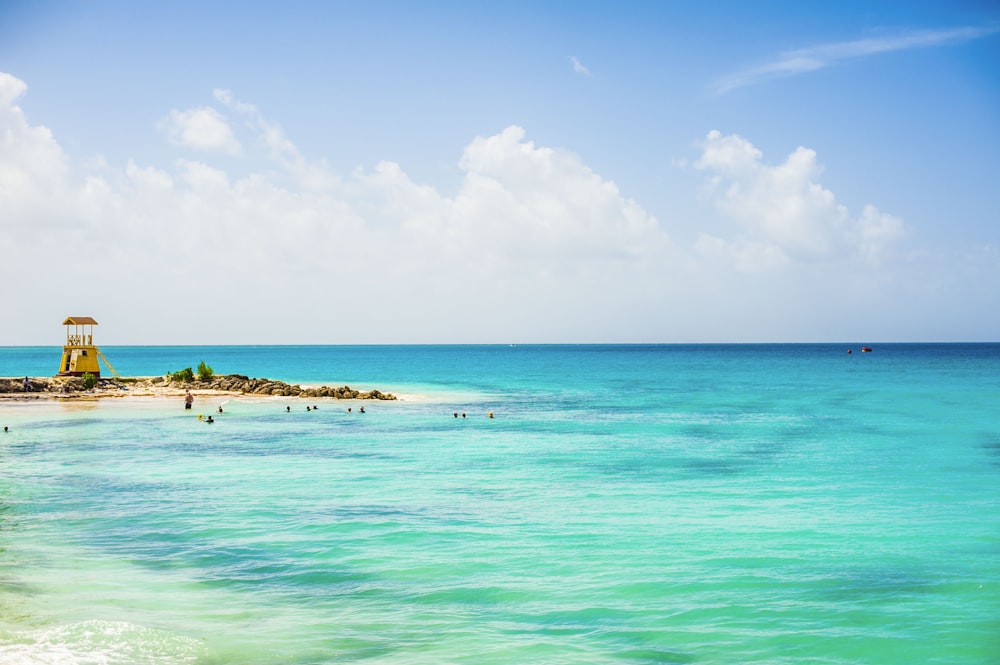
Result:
{"points": [[79, 354]]}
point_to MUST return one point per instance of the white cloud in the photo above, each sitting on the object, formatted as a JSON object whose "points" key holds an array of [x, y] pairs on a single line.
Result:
{"points": [[799, 61], [11, 89], [280, 147], [749, 256], [33, 170], [203, 129], [530, 231], [201, 177], [785, 208], [531, 244], [534, 200], [149, 177], [875, 231], [578, 66]]}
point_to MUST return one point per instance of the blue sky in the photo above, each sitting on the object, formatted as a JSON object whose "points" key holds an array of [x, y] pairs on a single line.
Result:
{"points": [[334, 172]]}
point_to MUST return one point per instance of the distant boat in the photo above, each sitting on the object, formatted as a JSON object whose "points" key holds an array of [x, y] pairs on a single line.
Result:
{"points": [[866, 349]]}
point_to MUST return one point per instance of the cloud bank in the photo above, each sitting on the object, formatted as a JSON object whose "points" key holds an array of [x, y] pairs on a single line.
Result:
{"points": [[532, 245]]}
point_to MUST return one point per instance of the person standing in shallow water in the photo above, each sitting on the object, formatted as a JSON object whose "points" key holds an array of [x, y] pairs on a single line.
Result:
{"points": [[188, 400]]}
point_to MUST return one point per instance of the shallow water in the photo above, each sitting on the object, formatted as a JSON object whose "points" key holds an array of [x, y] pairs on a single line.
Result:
{"points": [[627, 504]]}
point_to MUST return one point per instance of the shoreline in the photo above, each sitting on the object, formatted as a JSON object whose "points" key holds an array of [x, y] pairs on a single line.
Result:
{"points": [[231, 385]]}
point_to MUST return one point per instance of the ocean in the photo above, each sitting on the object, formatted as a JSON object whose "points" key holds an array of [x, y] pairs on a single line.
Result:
{"points": [[723, 504]]}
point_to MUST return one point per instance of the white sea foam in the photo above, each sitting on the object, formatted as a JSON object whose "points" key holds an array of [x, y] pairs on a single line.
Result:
{"points": [[97, 642]]}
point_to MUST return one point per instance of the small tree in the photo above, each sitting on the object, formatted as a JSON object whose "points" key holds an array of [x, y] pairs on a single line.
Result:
{"points": [[205, 372], [182, 376], [89, 380]]}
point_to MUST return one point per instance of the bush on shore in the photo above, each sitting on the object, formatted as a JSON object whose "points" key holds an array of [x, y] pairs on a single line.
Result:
{"points": [[185, 375], [205, 372]]}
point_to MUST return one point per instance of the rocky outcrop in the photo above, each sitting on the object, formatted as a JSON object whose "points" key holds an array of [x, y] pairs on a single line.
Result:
{"points": [[39, 385], [242, 384], [228, 383]]}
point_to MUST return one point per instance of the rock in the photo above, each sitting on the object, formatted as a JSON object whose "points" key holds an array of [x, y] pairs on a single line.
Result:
{"points": [[227, 383]]}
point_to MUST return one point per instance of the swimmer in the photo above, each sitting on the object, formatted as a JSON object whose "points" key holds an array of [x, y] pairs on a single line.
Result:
{"points": [[362, 409], [220, 408], [308, 409], [455, 414], [209, 420], [463, 414], [288, 409], [348, 409], [315, 408], [491, 414], [5, 429]]}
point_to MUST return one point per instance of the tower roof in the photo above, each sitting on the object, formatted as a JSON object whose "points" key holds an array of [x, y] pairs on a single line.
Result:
{"points": [[79, 321]]}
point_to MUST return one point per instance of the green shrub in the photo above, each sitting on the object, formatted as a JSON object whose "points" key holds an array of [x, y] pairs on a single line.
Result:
{"points": [[205, 372], [89, 380], [183, 376]]}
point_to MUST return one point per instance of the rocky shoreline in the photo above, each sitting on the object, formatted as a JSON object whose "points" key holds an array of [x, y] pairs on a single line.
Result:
{"points": [[230, 384]]}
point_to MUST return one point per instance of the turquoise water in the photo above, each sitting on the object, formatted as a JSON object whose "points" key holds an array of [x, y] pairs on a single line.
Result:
{"points": [[627, 504]]}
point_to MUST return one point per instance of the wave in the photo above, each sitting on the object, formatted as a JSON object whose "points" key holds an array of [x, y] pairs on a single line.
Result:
{"points": [[98, 642]]}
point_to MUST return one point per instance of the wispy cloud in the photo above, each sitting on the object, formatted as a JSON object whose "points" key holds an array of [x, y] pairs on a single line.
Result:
{"points": [[819, 57], [578, 66]]}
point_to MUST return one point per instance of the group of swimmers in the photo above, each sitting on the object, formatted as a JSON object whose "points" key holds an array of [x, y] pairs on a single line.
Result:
{"points": [[288, 409], [210, 420]]}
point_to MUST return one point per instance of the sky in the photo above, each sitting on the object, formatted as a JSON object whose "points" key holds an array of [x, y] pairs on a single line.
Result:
{"points": [[518, 172]]}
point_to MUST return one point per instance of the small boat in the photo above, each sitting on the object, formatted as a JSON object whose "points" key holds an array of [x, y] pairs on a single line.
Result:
{"points": [[866, 349]]}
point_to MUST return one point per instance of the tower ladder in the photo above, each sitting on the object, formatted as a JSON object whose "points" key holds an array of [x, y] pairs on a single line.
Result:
{"points": [[111, 367]]}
